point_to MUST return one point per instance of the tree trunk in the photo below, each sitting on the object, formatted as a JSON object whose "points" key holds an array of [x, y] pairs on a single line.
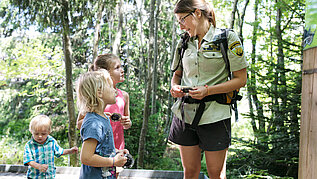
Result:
{"points": [[281, 71], [97, 30], [274, 94], [252, 76], [110, 27], [242, 21], [117, 41], [127, 64], [308, 132], [72, 136], [259, 130], [170, 98], [233, 13], [141, 52], [141, 151], [156, 20]]}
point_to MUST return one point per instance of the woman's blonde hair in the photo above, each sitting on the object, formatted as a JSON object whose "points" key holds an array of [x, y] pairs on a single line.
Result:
{"points": [[189, 6], [88, 86], [40, 122]]}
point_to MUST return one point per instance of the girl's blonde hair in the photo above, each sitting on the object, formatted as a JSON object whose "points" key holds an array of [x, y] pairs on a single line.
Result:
{"points": [[40, 122], [189, 6], [88, 86], [105, 61]]}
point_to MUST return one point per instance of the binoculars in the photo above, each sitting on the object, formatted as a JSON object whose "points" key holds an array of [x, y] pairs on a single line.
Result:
{"points": [[115, 117], [130, 161], [186, 89]]}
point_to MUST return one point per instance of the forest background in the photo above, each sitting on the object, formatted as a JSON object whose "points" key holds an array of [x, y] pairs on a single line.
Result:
{"points": [[46, 44]]}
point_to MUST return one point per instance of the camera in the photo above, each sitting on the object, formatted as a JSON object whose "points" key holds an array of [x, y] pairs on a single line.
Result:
{"points": [[115, 117], [186, 89], [130, 161]]}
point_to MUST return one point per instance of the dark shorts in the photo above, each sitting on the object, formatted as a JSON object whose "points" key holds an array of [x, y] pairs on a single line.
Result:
{"points": [[210, 137]]}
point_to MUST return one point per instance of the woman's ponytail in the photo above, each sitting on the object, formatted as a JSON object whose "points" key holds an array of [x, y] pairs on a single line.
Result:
{"points": [[211, 15], [91, 68]]}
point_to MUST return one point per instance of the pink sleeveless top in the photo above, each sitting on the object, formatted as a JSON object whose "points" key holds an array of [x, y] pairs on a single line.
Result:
{"points": [[117, 128]]}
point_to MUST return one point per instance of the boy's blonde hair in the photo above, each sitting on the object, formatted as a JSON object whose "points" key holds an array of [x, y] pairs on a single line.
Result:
{"points": [[88, 86], [40, 122]]}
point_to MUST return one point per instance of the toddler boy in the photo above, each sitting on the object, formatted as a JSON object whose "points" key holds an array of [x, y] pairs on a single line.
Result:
{"points": [[39, 152]]}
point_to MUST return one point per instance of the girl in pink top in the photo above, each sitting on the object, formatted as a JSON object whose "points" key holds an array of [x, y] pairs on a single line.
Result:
{"points": [[112, 63], [117, 127]]}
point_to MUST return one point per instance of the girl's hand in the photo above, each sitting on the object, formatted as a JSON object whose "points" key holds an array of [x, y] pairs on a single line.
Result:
{"points": [[120, 159], [198, 92], [43, 168], [176, 91], [124, 151], [125, 122]]}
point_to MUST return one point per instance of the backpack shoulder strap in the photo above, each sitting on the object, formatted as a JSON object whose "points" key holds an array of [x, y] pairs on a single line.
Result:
{"points": [[224, 48], [181, 50]]}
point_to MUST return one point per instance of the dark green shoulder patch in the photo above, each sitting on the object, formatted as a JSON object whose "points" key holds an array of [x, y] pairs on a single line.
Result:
{"points": [[236, 48]]}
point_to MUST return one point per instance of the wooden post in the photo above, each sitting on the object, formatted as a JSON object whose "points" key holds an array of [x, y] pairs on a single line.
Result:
{"points": [[308, 130]]}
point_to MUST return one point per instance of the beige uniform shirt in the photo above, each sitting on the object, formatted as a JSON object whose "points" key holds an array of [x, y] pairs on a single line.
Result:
{"points": [[206, 66]]}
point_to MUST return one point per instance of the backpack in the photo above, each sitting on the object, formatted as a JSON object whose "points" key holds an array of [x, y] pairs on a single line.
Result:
{"points": [[229, 98], [232, 97]]}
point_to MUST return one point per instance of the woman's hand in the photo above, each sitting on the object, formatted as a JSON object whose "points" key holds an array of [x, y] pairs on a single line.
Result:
{"points": [[176, 91], [199, 92]]}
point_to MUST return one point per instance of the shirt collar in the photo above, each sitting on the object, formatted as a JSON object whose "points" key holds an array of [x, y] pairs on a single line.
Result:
{"points": [[210, 34]]}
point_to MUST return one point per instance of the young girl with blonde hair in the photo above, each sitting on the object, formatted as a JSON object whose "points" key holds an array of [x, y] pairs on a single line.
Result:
{"points": [[112, 64], [98, 155]]}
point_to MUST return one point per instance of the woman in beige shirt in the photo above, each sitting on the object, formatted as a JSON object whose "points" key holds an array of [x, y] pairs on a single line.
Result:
{"points": [[203, 69]]}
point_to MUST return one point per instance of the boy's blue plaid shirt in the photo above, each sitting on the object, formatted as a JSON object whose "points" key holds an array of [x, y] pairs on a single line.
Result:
{"points": [[42, 154]]}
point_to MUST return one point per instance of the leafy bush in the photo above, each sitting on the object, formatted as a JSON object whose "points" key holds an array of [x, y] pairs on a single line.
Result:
{"points": [[247, 161], [11, 150]]}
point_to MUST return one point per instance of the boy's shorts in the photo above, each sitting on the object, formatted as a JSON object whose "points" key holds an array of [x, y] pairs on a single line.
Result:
{"points": [[209, 137]]}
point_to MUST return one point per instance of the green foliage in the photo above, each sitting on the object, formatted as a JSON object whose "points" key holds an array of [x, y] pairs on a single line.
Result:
{"points": [[32, 80], [275, 80], [248, 161], [155, 144], [155, 138], [9, 154], [34, 85], [136, 115]]}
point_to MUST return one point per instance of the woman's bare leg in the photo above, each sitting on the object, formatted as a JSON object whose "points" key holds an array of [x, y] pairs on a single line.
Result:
{"points": [[216, 163], [191, 161]]}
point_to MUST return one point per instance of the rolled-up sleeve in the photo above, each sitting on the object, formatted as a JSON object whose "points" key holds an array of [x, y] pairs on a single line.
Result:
{"points": [[236, 53], [58, 151], [27, 156]]}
